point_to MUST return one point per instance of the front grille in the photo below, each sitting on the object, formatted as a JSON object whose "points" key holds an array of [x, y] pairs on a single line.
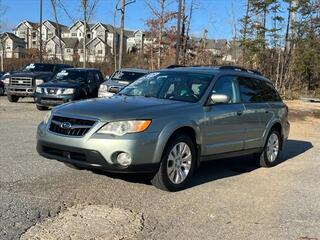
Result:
{"points": [[52, 91], [21, 82], [70, 126]]}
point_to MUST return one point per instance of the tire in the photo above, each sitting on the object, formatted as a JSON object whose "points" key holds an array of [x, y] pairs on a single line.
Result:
{"points": [[270, 155], [42, 108], [13, 98], [167, 177]]}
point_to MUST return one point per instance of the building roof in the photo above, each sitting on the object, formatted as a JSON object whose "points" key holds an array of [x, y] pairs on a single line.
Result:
{"points": [[61, 26], [12, 36], [71, 42]]}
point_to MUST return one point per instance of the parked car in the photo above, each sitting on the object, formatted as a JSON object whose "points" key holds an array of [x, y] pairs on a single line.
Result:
{"points": [[119, 80], [23, 83], [68, 85], [170, 121]]}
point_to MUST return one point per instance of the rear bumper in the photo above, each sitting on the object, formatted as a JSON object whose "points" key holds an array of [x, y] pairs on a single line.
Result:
{"points": [[86, 158]]}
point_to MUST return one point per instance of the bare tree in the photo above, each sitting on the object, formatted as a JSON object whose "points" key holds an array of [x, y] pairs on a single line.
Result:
{"points": [[178, 35], [2, 37], [40, 40], [161, 17], [122, 9], [88, 8], [54, 10]]}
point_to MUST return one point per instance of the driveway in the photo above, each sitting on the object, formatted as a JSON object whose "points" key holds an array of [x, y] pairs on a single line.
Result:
{"points": [[227, 199]]}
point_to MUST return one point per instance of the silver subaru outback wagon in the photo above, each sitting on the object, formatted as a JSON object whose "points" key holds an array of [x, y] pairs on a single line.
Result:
{"points": [[168, 122]]}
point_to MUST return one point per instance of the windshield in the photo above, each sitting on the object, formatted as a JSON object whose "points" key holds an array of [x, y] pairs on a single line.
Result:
{"points": [[126, 76], [39, 68], [187, 87], [71, 75]]}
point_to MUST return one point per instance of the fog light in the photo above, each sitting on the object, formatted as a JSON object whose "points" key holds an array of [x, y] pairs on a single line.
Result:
{"points": [[124, 159]]}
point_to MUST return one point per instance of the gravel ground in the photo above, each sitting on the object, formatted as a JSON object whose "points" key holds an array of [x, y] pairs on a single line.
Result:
{"points": [[228, 199]]}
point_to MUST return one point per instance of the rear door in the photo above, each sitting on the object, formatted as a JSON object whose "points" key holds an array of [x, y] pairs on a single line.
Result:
{"points": [[91, 84], [256, 113], [224, 129]]}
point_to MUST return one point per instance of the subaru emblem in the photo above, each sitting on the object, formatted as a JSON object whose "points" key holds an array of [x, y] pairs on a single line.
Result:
{"points": [[66, 125]]}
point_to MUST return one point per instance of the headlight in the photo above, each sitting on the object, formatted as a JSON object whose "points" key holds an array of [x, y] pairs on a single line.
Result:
{"points": [[103, 87], [39, 81], [6, 80], [68, 91], [38, 90], [47, 117], [121, 128]]}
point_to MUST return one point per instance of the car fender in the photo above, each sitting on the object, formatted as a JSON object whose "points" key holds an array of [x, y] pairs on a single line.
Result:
{"points": [[269, 127], [167, 132]]}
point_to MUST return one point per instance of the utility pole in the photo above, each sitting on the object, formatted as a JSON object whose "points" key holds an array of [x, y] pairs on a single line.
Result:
{"points": [[124, 3], [84, 6], [178, 37], [121, 32], [40, 40]]}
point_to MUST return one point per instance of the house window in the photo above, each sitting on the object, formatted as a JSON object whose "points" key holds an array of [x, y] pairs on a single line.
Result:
{"points": [[8, 47], [73, 34], [68, 50], [49, 50], [80, 35], [22, 32], [99, 51]]}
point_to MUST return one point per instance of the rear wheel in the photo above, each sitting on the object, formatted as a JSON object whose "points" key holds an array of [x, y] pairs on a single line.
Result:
{"points": [[12, 98], [177, 164], [270, 155], [1, 91], [42, 108]]}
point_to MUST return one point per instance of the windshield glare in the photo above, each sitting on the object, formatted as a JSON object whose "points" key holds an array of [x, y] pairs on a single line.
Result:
{"points": [[39, 68], [71, 75], [187, 87], [126, 76]]}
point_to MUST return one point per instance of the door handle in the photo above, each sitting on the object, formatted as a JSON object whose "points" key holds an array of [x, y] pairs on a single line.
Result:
{"points": [[267, 111], [239, 113]]}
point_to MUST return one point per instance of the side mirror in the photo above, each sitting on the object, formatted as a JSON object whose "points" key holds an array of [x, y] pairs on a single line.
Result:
{"points": [[219, 98], [114, 90], [107, 77]]}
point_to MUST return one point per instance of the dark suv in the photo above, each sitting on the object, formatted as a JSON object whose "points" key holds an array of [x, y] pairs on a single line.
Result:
{"points": [[168, 122], [68, 85], [23, 83]]}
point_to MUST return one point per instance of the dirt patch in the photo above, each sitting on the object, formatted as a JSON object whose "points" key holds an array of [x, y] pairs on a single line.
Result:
{"points": [[303, 111], [88, 222]]}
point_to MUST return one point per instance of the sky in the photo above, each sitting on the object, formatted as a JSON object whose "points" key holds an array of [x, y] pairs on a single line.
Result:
{"points": [[213, 15]]}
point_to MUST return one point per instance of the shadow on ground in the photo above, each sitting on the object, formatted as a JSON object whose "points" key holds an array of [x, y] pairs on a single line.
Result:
{"points": [[223, 168]]}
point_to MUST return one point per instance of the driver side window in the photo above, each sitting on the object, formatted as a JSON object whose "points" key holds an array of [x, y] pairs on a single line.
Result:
{"points": [[227, 85]]}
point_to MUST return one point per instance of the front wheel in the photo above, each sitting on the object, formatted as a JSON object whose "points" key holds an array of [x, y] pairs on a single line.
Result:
{"points": [[177, 164], [12, 98], [270, 155]]}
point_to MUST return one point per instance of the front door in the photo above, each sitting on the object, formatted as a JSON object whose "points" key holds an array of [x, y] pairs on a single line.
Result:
{"points": [[224, 128]]}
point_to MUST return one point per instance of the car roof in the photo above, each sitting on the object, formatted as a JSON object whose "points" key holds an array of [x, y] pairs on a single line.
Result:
{"points": [[137, 70], [82, 69], [215, 70]]}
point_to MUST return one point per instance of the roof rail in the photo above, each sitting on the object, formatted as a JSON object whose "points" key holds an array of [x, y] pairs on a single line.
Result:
{"points": [[237, 68]]}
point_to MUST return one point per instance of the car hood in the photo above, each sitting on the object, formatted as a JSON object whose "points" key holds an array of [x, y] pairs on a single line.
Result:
{"points": [[38, 75], [60, 84], [122, 107]]}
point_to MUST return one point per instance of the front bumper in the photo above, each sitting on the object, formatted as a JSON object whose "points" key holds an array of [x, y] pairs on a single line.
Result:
{"points": [[52, 100], [99, 151], [20, 91]]}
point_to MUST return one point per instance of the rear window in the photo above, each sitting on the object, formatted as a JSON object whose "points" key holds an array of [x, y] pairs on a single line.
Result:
{"points": [[36, 67], [126, 76], [254, 90]]}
